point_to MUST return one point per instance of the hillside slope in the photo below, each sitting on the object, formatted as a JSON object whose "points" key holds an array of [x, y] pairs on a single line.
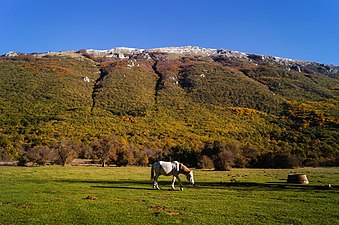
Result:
{"points": [[161, 98]]}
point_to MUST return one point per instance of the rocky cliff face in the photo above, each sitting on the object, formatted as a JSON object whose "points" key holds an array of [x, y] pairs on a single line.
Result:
{"points": [[217, 54]]}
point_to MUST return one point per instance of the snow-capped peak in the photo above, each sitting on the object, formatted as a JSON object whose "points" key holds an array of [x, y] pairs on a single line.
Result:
{"points": [[185, 50], [125, 50]]}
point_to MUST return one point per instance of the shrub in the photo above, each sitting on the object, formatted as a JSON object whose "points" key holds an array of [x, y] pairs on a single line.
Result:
{"points": [[205, 162], [155, 155], [337, 161], [311, 161], [123, 157], [142, 160], [86, 152], [126, 155], [4, 155], [7, 150], [278, 160], [40, 155], [224, 161], [249, 156], [239, 159], [140, 156], [223, 155]]}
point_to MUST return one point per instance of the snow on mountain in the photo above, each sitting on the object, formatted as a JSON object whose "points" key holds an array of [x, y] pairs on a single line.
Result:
{"points": [[124, 52], [127, 53], [185, 50], [96, 52], [12, 54], [119, 52]]}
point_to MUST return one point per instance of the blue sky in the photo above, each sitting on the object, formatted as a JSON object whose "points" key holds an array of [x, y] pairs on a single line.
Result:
{"points": [[297, 29]]}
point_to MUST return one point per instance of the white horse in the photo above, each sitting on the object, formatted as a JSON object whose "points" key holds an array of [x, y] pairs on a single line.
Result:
{"points": [[170, 168]]}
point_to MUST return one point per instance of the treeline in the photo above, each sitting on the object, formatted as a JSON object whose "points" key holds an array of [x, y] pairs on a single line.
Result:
{"points": [[224, 156], [115, 150]]}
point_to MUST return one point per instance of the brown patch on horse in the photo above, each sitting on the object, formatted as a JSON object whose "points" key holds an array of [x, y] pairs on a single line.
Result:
{"points": [[184, 169]]}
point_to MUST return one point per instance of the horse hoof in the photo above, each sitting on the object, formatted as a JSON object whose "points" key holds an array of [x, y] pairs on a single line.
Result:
{"points": [[181, 189]]}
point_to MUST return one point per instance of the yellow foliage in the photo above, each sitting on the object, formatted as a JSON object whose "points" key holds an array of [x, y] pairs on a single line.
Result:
{"points": [[246, 111]]}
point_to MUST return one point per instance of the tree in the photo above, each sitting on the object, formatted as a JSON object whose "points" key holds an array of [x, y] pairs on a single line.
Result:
{"points": [[105, 149], [184, 154], [223, 155], [65, 152], [278, 160], [224, 160], [212, 149]]}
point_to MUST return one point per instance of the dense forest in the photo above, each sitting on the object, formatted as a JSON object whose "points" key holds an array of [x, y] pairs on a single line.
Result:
{"points": [[206, 110]]}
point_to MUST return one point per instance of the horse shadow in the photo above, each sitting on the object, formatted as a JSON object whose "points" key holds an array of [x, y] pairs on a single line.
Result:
{"points": [[118, 184], [245, 186]]}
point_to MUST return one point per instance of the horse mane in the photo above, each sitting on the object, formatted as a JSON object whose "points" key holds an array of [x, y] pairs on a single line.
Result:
{"points": [[184, 169]]}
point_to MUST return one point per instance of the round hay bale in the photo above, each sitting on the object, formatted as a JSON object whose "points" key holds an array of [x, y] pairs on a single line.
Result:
{"points": [[297, 179]]}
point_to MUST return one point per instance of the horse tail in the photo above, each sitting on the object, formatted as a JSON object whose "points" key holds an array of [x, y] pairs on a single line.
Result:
{"points": [[152, 172]]}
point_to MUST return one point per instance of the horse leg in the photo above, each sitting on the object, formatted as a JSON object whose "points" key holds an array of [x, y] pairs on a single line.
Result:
{"points": [[173, 181], [155, 182], [181, 187]]}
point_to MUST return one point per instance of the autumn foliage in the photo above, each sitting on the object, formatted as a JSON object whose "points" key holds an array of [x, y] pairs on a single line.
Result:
{"points": [[204, 111]]}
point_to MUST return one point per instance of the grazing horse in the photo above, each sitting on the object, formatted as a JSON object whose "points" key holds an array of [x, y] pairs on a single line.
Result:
{"points": [[170, 168]]}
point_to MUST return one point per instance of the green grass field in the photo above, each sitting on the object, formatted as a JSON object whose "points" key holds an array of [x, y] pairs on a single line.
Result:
{"points": [[57, 195]]}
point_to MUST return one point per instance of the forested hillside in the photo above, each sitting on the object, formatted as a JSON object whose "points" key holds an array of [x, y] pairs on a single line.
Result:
{"points": [[204, 107]]}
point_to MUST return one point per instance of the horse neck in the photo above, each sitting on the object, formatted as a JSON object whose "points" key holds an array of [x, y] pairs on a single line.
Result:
{"points": [[184, 169]]}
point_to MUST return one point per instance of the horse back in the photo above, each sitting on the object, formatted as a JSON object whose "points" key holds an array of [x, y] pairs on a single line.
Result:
{"points": [[166, 168]]}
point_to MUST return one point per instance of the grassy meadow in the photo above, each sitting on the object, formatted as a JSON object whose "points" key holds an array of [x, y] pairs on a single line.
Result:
{"points": [[123, 195]]}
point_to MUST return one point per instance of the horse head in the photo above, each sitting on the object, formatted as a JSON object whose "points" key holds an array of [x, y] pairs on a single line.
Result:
{"points": [[190, 177]]}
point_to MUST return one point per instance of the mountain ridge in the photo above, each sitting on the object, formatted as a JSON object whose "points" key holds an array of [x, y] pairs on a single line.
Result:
{"points": [[129, 53], [166, 97], [174, 50]]}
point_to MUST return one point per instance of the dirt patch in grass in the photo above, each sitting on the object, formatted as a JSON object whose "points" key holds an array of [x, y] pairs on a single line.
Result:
{"points": [[91, 198], [159, 207], [3, 202], [172, 213], [23, 205], [141, 202]]}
